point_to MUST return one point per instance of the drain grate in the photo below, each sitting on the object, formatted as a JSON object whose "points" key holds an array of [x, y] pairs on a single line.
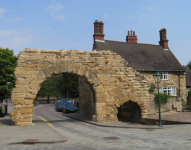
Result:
{"points": [[30, 141], [111, 138]]}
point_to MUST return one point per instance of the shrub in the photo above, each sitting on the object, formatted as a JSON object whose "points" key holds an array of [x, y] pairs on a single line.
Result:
{"points": [[151, 89], [189, 92], [163, 98]]}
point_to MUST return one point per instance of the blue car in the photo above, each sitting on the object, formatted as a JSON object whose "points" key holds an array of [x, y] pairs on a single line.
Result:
{"points": [[69, 108], [60, 104]]}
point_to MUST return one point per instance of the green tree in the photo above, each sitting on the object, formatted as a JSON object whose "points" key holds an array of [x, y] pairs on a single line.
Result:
{"points": [[7, 79], [70, 84], [58, 85], [51, 87], [189, 64]]}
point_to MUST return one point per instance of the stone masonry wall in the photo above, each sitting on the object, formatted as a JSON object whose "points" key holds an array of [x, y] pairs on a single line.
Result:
{"points": [[86, 98], [172, 81], [173, 105], [113, 81]]}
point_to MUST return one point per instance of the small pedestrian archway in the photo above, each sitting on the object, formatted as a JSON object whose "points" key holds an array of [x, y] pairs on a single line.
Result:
{"points": [[110, 77], [130, 111]]}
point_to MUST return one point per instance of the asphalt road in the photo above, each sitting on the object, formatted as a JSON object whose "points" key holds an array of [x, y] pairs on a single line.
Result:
{"points": [[81, 135]]}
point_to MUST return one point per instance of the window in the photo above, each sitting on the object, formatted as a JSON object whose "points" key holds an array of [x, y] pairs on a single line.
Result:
{"points": [[164, 75], [168, 90]]}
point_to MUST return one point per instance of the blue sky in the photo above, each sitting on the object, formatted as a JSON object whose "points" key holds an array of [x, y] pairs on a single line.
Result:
{"points": [[68, 24]]}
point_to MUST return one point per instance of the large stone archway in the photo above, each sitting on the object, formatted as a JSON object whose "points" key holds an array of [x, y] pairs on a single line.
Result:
{"points": [[112, 79]]}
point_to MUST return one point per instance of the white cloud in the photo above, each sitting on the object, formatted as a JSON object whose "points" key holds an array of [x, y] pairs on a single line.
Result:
{"points": [[16, 41], [1, 12], [47, 27], [105, 16], [13, 19], [56, 11], [8, 32]]}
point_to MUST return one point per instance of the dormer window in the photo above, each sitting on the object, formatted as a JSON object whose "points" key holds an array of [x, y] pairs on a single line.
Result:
{"points": [[164, 75]]}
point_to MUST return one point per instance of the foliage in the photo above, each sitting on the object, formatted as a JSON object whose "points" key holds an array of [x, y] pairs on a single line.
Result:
{"points": [[183, 103], [189, 92], [7, 79], [163, 98], [189, 64], [70, 83], [51, 87], [151, 90], [58, 85]]}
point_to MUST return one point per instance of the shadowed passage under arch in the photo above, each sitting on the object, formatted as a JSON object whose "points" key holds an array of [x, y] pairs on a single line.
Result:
{"points": [[129, 111]]}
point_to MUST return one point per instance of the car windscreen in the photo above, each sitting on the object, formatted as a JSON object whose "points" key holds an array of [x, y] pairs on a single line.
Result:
{"points": [[62, 103], [70, 105]]}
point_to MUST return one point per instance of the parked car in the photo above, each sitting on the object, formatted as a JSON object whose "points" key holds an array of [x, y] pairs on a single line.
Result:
{"points": [[60, 105], [59, 101], [69, 108], [8, 101]]}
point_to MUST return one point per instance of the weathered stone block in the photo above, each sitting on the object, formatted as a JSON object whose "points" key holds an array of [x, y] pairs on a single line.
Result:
{"points": [[26, 120], [17, 95], [17, 100], [28, 106], [18, 106], [28, 101], [14, 112], [30, 96], [19, 90], [26, 111], [21, 81], [26, 116]]}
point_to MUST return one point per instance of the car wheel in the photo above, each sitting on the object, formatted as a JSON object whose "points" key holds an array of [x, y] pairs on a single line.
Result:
{"points": [[65, 111]]}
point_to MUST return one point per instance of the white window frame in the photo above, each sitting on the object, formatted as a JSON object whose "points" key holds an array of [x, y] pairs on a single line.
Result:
{"points": [[168, 90], [164, 75]]}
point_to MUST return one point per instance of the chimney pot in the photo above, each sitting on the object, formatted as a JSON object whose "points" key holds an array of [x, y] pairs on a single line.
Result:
{"points": [[98, 32], [131, 38], [163, 41]]}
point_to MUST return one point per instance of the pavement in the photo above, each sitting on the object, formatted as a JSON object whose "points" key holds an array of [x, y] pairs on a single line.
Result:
{"points": [[182, 117], [168, 120], [38, 132], [82, 133]]}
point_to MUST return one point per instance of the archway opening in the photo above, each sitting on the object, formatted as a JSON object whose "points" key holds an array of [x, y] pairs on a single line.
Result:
{"points": [[129, 111], [71, 87]]}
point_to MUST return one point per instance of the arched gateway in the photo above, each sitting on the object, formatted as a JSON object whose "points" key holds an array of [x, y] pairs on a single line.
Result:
{"points": [[113, 81]]}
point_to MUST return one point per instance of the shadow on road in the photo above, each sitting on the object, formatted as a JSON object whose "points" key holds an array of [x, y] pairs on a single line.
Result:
{"points": [[5, 121]]}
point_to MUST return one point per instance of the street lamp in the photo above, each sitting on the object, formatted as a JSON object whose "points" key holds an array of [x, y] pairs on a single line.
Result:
{"points": [[157, 78]]}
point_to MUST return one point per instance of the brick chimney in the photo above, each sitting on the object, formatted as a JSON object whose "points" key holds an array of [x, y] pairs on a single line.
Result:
{"points": [[163, 41], [98, 32], [131, 38]]}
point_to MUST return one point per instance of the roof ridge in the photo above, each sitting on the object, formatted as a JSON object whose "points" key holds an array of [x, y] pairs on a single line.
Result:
{"points": [[132, 43]]}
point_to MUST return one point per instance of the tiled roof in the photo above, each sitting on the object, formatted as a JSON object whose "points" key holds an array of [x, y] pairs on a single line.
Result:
{"points": [[145, 57]]}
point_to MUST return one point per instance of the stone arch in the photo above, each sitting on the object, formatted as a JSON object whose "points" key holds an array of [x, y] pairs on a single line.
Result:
{"points": [[111, 77], [131, 97], [22, 114], [130, 111]]}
